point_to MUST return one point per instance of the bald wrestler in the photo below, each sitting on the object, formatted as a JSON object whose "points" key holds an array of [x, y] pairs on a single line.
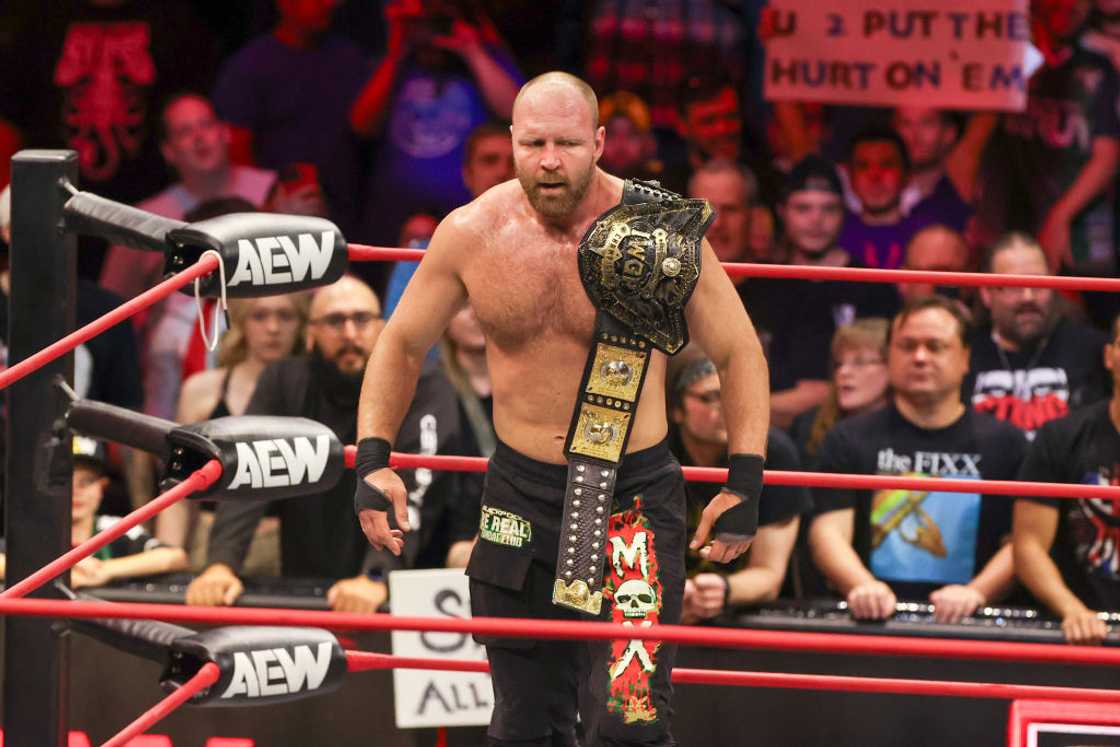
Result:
{"points": [[582, 285]]}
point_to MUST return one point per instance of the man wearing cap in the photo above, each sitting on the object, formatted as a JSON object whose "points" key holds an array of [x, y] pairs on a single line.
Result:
{"points": [[630, 150], [698, 436], [796, 318], [135, 553]]}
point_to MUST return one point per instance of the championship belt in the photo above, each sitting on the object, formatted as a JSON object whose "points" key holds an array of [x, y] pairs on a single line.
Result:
{"points": [[639, 263]]}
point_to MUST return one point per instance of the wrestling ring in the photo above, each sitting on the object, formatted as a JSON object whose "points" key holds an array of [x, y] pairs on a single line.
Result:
{"points": [[200, 668]]}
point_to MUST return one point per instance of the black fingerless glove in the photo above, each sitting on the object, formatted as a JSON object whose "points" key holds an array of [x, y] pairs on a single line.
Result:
{"points": [[373, 454], [744, 479]]}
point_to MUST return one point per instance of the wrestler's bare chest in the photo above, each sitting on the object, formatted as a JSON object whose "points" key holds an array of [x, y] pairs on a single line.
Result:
{"points": [[525, 290]]}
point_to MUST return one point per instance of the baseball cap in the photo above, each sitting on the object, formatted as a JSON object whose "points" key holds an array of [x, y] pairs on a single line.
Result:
{"points": [[625, 104], [813, 173], [89, 452]]}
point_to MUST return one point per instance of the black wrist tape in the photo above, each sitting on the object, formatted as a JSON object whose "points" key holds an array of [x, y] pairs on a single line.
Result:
{"points": [[744, 479], [373, 454]]}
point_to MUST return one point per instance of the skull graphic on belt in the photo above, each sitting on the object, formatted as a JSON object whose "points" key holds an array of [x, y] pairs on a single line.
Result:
{"points": [[635, 598]]}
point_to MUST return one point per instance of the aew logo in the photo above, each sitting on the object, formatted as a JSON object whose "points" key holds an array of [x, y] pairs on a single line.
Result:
{"points": [[278, 671], [276, 260], [272, 463]]}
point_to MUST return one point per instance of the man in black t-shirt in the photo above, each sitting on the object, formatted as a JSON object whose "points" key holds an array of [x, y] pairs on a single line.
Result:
{"points": [[1031, 364], [318, 535], [1067, 552], [699, 438], [947, 547], [797, 318]]}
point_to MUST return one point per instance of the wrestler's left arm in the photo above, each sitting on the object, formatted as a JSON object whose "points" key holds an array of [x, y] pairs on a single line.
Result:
{"points": [[718, 322]]}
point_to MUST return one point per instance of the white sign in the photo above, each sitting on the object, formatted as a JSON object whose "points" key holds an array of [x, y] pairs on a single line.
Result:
{"points": [[426, 698], [951, 54]]}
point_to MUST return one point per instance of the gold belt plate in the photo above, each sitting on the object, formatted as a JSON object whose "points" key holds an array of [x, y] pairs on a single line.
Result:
{"points": [[616, 372], [578, 596], [600, 432]]}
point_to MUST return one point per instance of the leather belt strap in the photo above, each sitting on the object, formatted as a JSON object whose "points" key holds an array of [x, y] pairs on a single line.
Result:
{"points": [[654, 259], [612, 382]]}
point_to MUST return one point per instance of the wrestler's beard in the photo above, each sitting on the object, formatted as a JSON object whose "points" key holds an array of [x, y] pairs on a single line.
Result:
{"points": [[556, 205], [339, 387]]}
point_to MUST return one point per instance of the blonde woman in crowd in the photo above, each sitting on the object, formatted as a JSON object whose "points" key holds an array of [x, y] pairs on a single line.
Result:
{"points": [[262, 331], [859, 383]]}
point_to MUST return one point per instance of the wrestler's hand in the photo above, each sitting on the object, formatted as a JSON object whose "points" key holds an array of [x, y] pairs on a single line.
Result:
{"points": [[711, 593], [721, 549], [359, 594], [217, 586], [375, 524], [955, 602], [1084, 627], [872, 600]]}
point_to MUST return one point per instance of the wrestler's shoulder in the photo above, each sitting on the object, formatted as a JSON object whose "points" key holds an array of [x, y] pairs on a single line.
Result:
{"points": [[494, 207]]}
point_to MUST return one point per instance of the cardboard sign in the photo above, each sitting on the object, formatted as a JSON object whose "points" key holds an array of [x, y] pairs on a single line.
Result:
{"points": [[426, 698], [949, 54]]}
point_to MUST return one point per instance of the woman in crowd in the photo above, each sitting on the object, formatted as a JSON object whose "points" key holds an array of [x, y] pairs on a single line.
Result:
{"points": [[463, 354], [859, 383], [262, 331]]}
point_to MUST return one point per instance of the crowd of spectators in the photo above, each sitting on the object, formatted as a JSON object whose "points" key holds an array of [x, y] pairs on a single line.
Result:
{"points": [[383, 117]]}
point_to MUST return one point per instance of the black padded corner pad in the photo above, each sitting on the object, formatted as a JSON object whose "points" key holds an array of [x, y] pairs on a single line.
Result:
{"points": [[263, 254], [87, 214]]}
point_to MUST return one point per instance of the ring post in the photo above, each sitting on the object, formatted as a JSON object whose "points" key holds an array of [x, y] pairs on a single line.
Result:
{"points": [[37, 490]]}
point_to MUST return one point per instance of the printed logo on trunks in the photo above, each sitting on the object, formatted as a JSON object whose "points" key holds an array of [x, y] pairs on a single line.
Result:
{"points": [[504, 528], [634, 589]]}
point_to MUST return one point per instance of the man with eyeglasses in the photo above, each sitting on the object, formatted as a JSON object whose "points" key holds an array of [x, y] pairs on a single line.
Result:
{"points": [[877, 547], [318, 537], [698, 437], [1067, 552], [1032, 363]]}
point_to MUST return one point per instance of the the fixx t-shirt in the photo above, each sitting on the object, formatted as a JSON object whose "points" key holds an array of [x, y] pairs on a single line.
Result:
{"points": [[918, 541]]}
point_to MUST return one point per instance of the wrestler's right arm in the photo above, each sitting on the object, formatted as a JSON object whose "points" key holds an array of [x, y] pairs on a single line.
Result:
{"points": [[434, 294]]}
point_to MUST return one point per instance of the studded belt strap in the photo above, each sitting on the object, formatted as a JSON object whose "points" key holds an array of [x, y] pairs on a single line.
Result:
{"points": [[638, 267], [612, 381]]}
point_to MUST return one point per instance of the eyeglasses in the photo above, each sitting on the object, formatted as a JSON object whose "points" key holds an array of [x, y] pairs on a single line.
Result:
{"points": [[711, 399], [337, 322], [858, 363]]}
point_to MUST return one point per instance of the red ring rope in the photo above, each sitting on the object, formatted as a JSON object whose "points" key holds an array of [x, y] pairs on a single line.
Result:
{"points": [[32, 363], [198, 481], [361, 661], [206, 676], [808, 479], [578, 630], [364, 253]]}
